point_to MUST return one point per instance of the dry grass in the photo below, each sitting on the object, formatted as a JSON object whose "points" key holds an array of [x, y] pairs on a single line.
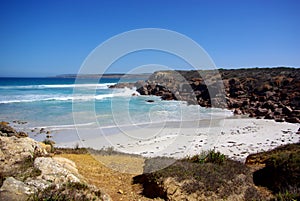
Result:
{"points": [[123, 164], [117, 184]]}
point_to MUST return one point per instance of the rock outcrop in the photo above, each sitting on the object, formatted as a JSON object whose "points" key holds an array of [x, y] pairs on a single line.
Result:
{"points": [[14, 151], [270, 93], [27, 171]]}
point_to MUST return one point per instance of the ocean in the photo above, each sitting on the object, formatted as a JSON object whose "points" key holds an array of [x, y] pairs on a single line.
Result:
{"points": [[57, 104]]}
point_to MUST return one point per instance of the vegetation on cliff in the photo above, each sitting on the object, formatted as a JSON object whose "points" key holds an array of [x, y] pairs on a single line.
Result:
{"points": [[209, 176], [281, 171]]}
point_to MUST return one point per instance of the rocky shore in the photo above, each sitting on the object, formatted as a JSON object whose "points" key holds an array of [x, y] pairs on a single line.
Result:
{"points": [[29, 171], [270, 93]]}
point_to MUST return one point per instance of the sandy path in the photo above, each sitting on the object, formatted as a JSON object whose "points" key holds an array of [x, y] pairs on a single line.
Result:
{"points": [[117, 184]]}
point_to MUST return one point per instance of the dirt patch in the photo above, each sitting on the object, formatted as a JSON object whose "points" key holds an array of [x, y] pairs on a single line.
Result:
{"points": [[115, 183]]}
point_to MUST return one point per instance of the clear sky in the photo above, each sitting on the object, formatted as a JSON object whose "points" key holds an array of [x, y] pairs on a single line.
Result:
{"points": [[50, 37]]}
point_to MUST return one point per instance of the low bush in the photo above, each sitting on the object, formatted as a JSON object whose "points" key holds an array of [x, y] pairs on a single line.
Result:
{"points": [[49, 142], [207, 173], [68, 191], [293, 194], [210, 156], [281, 171]]}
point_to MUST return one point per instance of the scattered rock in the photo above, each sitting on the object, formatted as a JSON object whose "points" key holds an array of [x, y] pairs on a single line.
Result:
{"points": [[279, 119], [7, 130], [237, 111], [22, 134], [19, 122], [150, 101], [292, 119]]}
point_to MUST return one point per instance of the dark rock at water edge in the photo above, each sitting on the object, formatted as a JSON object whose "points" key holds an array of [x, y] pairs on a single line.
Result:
{"points": [[8, 131], [150, 101], [270, 93]]}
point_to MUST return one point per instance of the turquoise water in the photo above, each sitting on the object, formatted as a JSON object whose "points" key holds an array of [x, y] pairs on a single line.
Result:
{"points": [[53, 103]]}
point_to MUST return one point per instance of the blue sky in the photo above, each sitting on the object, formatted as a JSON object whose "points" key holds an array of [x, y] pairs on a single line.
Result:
{"points": [[50, 37]]}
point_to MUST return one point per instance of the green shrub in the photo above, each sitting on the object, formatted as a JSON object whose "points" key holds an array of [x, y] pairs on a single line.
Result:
{"points": [[282, 170], [213, 173], [293, 194], [208, 157], [67, 192]]}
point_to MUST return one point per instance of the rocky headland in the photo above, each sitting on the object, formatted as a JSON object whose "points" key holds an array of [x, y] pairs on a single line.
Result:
{"points": [[270, 93]]}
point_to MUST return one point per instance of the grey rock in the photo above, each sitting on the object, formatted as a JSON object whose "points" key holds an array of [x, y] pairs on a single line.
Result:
{"points": [[13, 189], [55, 171], [14, 150]]}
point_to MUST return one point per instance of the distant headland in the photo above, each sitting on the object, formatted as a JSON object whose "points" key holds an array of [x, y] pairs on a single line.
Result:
{"points": [[110, 75]]}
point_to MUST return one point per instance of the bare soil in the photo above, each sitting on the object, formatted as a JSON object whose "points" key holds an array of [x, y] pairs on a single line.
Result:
{"points": [[110, 174]]}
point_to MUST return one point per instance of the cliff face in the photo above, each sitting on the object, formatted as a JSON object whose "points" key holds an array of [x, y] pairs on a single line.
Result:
{"points": [[271, 93]]}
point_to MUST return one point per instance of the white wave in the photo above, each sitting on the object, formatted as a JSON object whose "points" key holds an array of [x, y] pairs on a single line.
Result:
{"points": [[65, 127], [53, 86], [73, 97], [125, 92]]}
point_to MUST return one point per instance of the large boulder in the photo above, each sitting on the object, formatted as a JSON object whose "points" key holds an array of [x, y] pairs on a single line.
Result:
{"points": [[56, 170], [13, 189], [14, 151]]}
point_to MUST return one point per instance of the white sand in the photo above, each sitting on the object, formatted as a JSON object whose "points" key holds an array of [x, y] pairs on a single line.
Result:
{"points": [[236, 138]]}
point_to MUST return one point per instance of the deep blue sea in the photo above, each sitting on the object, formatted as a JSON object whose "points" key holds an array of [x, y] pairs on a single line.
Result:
{"points": [[55, 103]]}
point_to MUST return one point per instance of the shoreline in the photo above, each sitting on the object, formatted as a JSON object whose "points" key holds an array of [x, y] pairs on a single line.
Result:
{"points": [[233, 136]]}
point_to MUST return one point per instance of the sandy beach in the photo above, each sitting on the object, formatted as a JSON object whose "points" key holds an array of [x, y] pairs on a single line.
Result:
{"points": [[234, 137]]}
